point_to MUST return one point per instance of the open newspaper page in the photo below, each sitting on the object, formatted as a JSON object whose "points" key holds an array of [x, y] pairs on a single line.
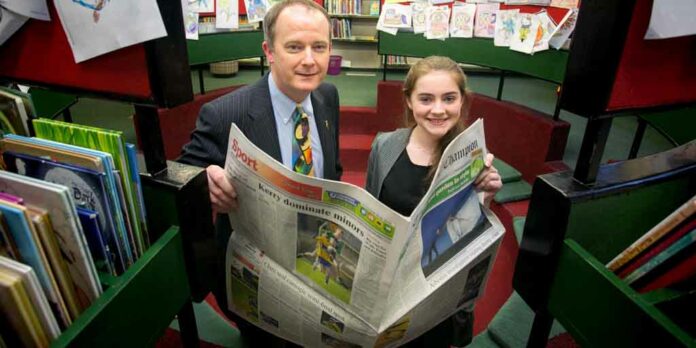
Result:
{"points": [[323, 263], [445, 263]]}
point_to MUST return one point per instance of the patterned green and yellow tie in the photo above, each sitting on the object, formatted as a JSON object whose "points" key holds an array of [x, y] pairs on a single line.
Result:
{"points": [[301, 143]]}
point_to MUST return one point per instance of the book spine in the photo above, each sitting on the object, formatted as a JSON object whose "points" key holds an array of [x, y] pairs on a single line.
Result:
{"points": [[662, 257], [666, 225]]}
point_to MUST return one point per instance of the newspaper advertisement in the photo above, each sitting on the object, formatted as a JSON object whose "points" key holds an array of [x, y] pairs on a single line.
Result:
{"points": [[325, 264]]}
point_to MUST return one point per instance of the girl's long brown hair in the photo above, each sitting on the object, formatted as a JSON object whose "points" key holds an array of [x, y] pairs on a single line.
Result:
{"points": [[420, 69]]}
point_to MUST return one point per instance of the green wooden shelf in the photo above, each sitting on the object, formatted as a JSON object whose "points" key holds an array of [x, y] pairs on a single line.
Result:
{"points": [[354, 39], [217, 47], [548, 65], [139, 305]]}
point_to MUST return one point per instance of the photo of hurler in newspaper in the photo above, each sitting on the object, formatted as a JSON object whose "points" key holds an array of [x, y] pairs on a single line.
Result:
{"points": [[326, 255], [325, 264], [449, 227]]}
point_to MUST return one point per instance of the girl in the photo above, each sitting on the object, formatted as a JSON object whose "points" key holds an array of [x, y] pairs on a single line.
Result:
{"points": [[403, 162]]}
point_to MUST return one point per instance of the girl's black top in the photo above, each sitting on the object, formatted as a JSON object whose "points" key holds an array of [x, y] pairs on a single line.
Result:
{"points": [[404, 185]]}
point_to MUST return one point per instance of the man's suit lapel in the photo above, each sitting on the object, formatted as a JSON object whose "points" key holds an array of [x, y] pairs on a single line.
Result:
{"points": [[321, 112], [263, 131]]}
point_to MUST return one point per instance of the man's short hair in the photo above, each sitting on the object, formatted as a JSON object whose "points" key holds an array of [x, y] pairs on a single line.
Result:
{"points": [[269, 20]]}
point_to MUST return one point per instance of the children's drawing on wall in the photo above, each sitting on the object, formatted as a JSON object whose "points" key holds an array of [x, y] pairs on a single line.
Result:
{"points": [[201, 6], [96, 27], [327, 255], [418, 17], [227, 14], [505, 27], [486, 15], [256, 9], [462, 23], [437, 22], [94, 5]]}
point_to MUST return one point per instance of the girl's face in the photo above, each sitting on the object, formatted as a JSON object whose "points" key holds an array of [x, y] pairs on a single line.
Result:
{"points": [[436, 103]]}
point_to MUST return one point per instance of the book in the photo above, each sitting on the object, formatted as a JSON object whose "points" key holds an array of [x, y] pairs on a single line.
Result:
{"points": [[131, 152], [667, 224], [103, 140], [58, 201], [11, 198], [8, 247], [17, 308], [103, 258], [681, 244], [15, 116], [680, 271], [88, 188], [107, 167], [32, 254], [36, 295], [47, 237], [649, 253]]}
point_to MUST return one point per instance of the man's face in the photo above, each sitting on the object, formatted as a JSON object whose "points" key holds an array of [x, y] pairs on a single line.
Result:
{"points": [[300, 54]]}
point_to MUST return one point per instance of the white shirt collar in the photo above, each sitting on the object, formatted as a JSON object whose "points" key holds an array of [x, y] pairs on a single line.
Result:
{"points": [[284, 104]]}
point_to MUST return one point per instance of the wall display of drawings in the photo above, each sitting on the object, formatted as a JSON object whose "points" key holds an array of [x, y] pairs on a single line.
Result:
{"points": [[508, 27]]}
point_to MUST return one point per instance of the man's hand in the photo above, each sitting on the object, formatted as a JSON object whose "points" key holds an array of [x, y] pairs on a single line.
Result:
{"points": [[223, 197], [489, 180]]}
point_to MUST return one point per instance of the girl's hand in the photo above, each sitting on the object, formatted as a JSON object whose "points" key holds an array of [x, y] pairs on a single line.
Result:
{"points": [[488, 181]]}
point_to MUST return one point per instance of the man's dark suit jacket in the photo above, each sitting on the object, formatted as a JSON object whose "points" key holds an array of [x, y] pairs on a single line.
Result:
{"points": [[251, 110]]}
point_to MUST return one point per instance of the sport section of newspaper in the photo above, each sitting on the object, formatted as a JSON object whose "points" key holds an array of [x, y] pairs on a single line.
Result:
{"points": [[324, 263]]}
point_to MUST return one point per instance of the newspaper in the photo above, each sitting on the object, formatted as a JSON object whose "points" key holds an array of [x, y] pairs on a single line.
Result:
{"points": [[324, 263]]}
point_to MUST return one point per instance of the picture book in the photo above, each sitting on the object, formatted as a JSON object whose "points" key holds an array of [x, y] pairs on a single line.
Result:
{"points": [[103, 140], [27, 102], [678, 272], [658, 247], [51, 153], [666, 225], [14, 297], [35, 294], [8, 248], [11, 198], [526, 30], [437, 22], [462, 22], [103, 259], [134, 166], [58, 201], [47, 237], [486, 15], [14, 120], [418, 10], [505, 27], [122, 201], [677, 247], [88, 188], [33, 255]]}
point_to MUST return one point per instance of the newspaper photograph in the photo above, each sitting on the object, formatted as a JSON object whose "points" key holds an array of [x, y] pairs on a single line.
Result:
{"points": [[324, 263]]}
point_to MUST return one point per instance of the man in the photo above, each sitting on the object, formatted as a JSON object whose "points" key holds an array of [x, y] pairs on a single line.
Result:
{"points": [[297, 45]]}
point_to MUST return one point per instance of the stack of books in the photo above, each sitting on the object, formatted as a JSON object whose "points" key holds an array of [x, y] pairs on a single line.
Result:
{"points": [[663, 257], [71, 215]]}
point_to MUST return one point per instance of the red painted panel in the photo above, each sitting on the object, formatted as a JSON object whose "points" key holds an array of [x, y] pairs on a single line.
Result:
{"points": [[653, 72], [40, 52]]}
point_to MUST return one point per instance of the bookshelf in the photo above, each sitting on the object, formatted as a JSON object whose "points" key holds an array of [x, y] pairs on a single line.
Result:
{"points": [[354, 34], [578, 221], [139, 305]]}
